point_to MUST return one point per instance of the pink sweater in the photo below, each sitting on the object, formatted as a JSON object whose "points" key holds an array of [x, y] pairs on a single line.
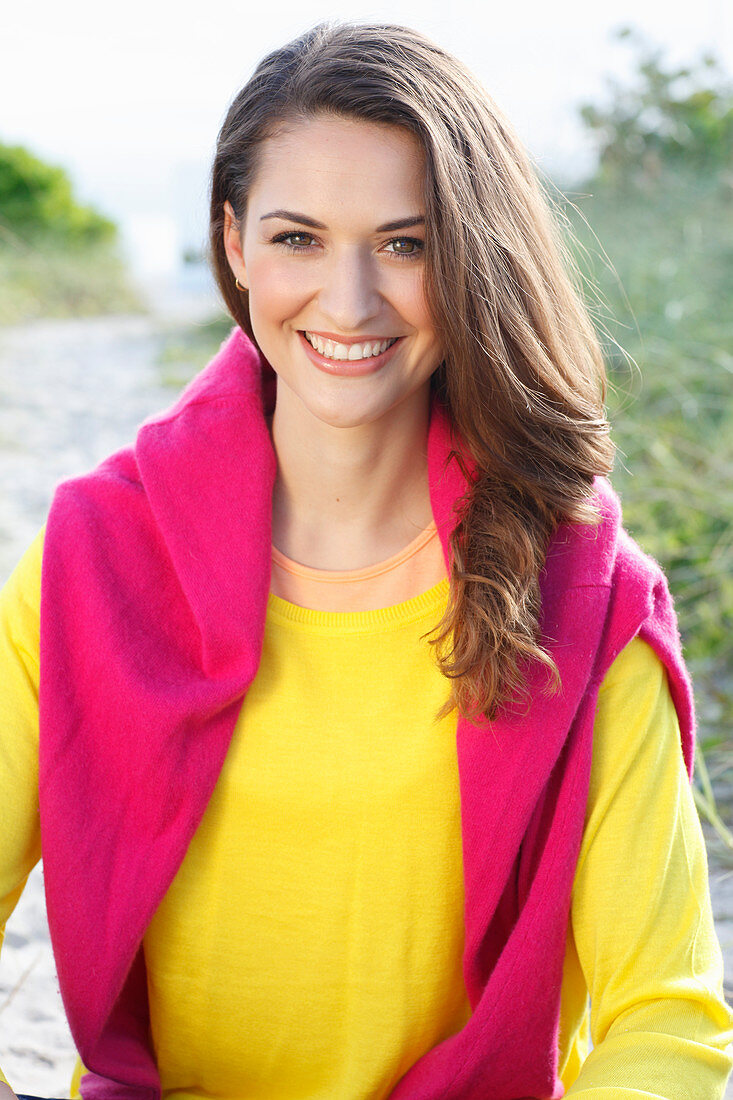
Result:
{"points": [[155, 580]]}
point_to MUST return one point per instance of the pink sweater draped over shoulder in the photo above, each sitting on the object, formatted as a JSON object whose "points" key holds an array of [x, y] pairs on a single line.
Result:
{"points": [[155, 581]]}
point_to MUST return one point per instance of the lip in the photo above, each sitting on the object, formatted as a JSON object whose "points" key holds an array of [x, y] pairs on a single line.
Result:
{"points": [[348, 340], [347, 368]]}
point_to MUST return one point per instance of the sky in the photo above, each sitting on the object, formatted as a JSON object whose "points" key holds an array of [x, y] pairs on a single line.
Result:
{"points": [[130, 99]]}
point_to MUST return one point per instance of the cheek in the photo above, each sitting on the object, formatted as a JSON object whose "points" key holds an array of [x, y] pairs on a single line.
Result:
{"points": [[417, 312], [276, 293], [410, 301]]}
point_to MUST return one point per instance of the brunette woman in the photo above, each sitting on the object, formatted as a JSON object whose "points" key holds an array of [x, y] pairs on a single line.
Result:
{"points": [[365, 736]]}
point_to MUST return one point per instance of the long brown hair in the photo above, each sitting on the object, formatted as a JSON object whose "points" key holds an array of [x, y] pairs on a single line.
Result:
{"points": [[523, 377]]}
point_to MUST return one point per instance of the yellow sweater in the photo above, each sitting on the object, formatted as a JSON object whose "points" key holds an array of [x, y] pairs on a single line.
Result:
{"points": [[310, 944]]}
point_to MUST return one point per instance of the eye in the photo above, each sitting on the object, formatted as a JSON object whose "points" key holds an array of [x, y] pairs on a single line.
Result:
{"points": [[408, 248], [295, 240]]}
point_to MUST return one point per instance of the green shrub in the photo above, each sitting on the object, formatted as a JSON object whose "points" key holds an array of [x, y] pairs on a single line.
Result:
{"points": [[58, 258], [654, 238], [665, 288], [36, 199], [668, 117]]}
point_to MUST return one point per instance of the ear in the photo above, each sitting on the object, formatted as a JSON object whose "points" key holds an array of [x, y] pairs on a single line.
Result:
{"points": [[233, 245]]}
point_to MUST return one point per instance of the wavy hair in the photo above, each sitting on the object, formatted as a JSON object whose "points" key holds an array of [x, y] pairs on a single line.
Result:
{"points": [[523, 377]]}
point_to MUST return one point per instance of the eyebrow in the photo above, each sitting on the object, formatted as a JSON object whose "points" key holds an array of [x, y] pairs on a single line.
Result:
{"points": [[303, 219]]}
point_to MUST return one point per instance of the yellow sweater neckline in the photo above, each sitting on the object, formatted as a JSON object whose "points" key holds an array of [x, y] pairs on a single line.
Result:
{"points": [[351, 622]]}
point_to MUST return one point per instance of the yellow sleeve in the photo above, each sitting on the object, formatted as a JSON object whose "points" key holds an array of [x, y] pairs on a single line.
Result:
{"points": [[19, 647], [641, 913]]}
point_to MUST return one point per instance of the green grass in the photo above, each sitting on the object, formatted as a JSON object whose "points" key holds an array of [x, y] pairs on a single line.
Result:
{"points": [[47, 279], [662, 292]]}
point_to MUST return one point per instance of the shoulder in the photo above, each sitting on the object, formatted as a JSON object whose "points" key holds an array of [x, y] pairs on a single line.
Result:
{"points": [[636, 666], [639, 726], [635, 714], [599, 566], [601, 553], [168, 445], [603, 556], [636, 735], [604, 578], [20, 599]]}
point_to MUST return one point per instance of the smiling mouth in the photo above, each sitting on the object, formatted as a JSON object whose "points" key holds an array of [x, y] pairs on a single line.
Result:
{"points": [[329, 349]]}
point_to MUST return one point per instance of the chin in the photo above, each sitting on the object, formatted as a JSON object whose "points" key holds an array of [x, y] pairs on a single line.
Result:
{"points": [[346, 418]]}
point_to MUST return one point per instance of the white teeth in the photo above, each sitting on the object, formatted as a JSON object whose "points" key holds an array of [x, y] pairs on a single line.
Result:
{"points": [[351, 352]]}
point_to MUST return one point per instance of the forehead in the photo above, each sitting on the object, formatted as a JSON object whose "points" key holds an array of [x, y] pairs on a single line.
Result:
{"points": [[329, 161]]}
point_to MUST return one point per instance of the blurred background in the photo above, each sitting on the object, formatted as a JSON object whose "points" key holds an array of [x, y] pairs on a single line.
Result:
{"points": [[108, 120]]}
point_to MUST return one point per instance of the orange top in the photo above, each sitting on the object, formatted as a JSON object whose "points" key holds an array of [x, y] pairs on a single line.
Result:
{"points": [[415, 569]]}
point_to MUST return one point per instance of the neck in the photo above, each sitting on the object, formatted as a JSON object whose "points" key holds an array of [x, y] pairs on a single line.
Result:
{"points": [[346, 498]]}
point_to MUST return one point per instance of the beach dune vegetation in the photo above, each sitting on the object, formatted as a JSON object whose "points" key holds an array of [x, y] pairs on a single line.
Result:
{"points": [[58, 256]]}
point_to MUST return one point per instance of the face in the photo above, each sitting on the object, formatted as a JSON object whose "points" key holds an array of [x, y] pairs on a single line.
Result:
{"points": [[332, 251]]}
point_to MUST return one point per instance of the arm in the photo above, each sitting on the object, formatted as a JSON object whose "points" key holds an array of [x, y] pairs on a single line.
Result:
{"points": [[641, 914], [19, 826]]}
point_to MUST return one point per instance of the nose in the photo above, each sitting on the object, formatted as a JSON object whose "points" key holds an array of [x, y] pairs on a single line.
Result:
{"points": [[350, 293]]}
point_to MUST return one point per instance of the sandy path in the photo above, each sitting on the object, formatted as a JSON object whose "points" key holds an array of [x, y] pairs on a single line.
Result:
{"points": [[71, 392]]}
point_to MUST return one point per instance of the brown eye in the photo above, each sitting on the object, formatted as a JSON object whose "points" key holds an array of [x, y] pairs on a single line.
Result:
{"points": [[405, 246], [295, 241]]}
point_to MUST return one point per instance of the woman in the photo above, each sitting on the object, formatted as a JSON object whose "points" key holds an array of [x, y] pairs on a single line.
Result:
{"points": [[364, 731]]}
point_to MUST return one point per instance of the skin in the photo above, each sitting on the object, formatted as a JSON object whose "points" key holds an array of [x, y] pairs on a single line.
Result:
{"points": [[352, 483]]}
